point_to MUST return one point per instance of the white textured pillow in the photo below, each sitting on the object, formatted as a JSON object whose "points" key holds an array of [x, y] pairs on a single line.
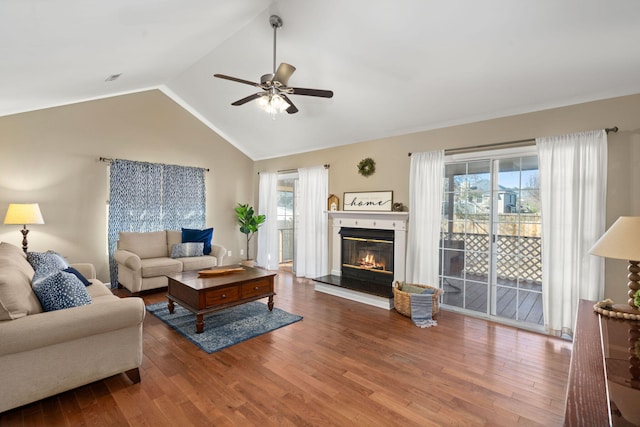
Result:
{"points": [[189, 249]]}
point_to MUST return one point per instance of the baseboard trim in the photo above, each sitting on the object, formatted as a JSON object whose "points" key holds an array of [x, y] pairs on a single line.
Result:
{"points": [[376, 301]]}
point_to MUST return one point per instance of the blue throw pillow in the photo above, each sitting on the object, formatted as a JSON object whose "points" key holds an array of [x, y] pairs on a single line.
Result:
{"points": [[204, 236], [61, 290], [181, 250], [78, 275], [49, 261]]}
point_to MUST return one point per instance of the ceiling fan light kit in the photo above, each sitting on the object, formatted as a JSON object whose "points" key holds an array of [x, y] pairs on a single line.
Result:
{"points": [[273, 99], [272, 104]]}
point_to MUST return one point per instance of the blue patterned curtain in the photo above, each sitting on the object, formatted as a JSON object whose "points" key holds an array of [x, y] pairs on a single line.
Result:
{"points": [[153, 197], [183, 197]]}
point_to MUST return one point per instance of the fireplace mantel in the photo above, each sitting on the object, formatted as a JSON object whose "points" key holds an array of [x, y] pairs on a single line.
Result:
{"points": [[396, 221], [380, 220]]}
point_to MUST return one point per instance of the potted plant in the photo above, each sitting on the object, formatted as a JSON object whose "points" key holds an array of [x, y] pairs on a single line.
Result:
{"points": [[249, 224]]}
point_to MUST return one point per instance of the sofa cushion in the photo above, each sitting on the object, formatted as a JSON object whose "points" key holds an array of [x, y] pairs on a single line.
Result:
{"points": [[17, 255], [198, 263], [49, 261], [151, 244], [99, 293], [16, 297], [189, 249], [204, 236], [9, 249], [78, 275], [152, 267], [61, 290]]}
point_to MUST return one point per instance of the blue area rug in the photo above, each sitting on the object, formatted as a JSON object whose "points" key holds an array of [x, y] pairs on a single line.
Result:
{"points": [[227, 327]]}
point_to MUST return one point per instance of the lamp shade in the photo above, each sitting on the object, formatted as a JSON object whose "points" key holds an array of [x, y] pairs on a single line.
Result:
{"points": [[23, 214], [621, 241]]}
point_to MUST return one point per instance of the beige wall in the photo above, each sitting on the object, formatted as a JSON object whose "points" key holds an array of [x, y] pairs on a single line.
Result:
{"points": [[52, 157], [392, 160]]}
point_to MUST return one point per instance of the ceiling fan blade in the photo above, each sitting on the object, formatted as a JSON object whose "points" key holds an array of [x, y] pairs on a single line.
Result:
{"points": [[235, 79], [283, 73], [292, 108], [247, 99], [312, 92]]}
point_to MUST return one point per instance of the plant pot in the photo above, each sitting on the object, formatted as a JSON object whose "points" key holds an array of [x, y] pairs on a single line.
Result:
{"points": [[248, 262]]}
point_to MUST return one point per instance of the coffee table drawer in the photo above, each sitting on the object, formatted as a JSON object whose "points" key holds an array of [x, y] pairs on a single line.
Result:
{"points": [[252, 289], [221, 296]]}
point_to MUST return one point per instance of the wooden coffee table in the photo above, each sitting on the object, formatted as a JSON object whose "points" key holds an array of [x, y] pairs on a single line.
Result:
{"points": [[202, 295]]}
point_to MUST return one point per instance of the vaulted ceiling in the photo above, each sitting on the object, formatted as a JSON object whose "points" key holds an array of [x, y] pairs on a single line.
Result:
{"points": [[395, 66]]}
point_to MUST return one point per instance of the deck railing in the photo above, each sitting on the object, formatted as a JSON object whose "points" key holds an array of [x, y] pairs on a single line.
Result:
{"points": [[285, 235], [518, 257]]}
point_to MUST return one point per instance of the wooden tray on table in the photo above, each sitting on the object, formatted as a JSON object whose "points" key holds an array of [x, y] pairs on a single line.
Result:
{"points": [[219, 271]]}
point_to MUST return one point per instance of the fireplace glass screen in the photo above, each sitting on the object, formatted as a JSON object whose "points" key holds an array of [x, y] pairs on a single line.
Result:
{"points": [[367, 255]]}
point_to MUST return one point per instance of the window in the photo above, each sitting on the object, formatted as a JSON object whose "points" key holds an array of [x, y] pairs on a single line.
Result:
{"points": [[152, 197], [286, 219]]}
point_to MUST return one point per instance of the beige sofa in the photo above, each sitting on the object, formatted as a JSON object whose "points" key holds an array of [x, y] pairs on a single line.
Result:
{"points": [[143, 259], [46, 353]]}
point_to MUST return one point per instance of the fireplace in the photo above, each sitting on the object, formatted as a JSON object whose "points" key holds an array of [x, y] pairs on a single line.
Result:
{"points": [[364, 266], [367, 255]]}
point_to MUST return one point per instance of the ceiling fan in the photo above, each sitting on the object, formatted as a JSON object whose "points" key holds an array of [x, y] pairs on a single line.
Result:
{"points": [[273, 96]]}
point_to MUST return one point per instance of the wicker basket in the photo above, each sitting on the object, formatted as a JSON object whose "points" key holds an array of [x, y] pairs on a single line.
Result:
{"points": [[402, 300]]}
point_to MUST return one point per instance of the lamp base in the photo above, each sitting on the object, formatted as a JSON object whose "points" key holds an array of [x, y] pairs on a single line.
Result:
{"points": [[25, 244]]}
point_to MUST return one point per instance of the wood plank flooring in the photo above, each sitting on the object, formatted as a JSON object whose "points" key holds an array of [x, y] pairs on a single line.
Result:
{"points": [[345, 364]]}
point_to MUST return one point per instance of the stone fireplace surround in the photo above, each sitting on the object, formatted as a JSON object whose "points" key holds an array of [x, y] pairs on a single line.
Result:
{"points": [[396, 221]]}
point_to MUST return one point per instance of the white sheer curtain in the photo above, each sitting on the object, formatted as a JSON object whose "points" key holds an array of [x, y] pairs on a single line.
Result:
{"points": [[268, 234], [425, 201], [573, 183], [312, 252]]}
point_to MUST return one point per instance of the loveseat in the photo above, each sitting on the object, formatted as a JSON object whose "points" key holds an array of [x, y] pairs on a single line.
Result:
{"points": [[144, 259], [43, 353]]}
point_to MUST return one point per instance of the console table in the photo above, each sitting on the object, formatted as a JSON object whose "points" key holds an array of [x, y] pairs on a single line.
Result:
{"points": [[604, 376]]}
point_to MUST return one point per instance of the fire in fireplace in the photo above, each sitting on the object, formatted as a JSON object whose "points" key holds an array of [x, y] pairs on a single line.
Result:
{"points": [[367, 255], [369, 262]]}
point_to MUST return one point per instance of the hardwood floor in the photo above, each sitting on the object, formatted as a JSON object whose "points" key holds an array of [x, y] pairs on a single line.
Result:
{"points": [[346, 363]]}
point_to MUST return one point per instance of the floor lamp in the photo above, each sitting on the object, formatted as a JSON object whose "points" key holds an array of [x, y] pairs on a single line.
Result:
{"points": [[622, 241], [24, 214]]}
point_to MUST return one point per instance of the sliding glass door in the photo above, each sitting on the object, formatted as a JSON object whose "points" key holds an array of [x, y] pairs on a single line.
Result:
{"points": [[517, 248], [490, 256]]}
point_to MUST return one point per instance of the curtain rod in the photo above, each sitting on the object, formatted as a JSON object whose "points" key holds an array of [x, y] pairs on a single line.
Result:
{"points": [[110, 160], [287, 170], [518, 143], [326, 166]]}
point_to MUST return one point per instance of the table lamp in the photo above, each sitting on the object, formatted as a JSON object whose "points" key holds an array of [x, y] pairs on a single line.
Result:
{"points": [[622, 241], [24, 214]]}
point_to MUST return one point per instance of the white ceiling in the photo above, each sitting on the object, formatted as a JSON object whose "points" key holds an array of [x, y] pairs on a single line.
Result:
{"points": [[395, 66]]}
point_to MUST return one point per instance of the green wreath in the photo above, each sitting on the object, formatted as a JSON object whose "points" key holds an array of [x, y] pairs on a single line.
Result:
{"points": [[366, 167]]}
